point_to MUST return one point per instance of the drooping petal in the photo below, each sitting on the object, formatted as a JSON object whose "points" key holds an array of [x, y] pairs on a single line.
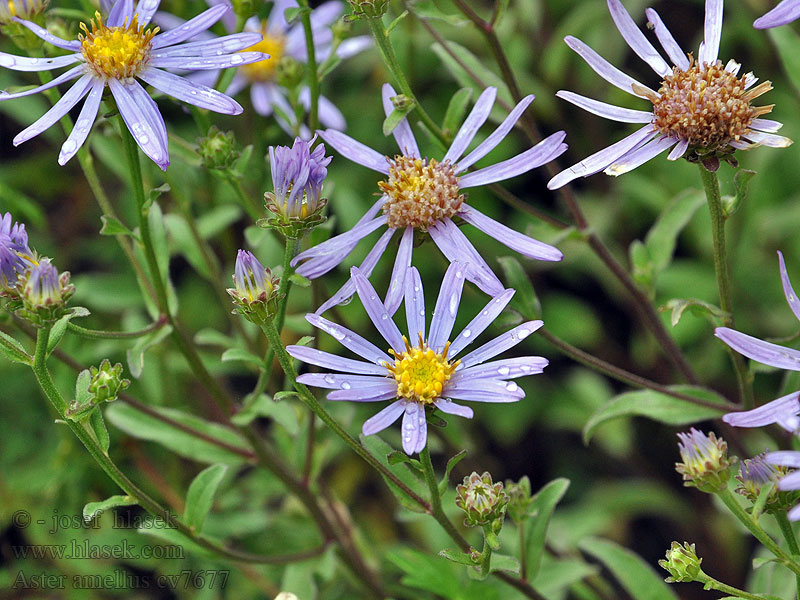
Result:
{"points": [[497, 136], [671, 47], [479, 324], [84, 123], [641, 155], [679, 150], [788, 291], [523, 244], [451, 408], [415, 428], [224, 61], [23, 63], [509, 368], [608, 111], [190, 28], [767, 414], [402, 133], [225, 45], [712, 32], [786, 12], [355, 151], [352, 46], [446, 310], [476, 118], [73, 73], [545, 151], [142, 119], [768, 139], [790, 482], [383, 419], [501, 343], [600, 160], [190, 92], [339, 381], [767, 125], [350, 340], [377, 311], [394, 295], [73, 45], [415, 305], [635, 38], [759, 350], [327, 360], [606, 70], [59, 109]]}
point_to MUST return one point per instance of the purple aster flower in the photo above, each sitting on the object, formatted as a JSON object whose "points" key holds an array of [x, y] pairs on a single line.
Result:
{"points": [[42, 288], [425, 194], [297, 176], [786, 12], [785, 410], [15, 255], [116, 53], [423, 372], [701, 107], [282, 40], [791, 482]]}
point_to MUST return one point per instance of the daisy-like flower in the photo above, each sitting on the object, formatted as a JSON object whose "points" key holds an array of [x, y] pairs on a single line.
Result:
{"points": [[422, 371], [426, 194], [282, 40], [790, 482], [702, 107], [786, 12], [118, 51], [785, 410], [15, 255]]}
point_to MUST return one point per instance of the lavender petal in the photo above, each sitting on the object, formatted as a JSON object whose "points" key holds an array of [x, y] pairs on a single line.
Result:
{"points": [[500, 344], [712, 32], [225, 45], [415, 428], [355, 151], [671, 47], [446, 310], [768, 139], [83, 125], [784, 458], [59, 109], [476, 118], [509, 368], [383, 419], [786, 12], [402, 133], [635, 38], [190, 92], [350, 340], [376, 311], [484, 390], [608, 111], [451, 408], [767, 414], [639, 156], [142, 119], [313, 356], [72, 45], [759, 350], [146, 9], [679, 150], [482, 320], [73, 73], [337, 381], [225, 61], [191, 28], [766, 125], [394, 296], [374, 393], [122, 10], [23, 63], [329, 115], [415, 305], [788, 291]]}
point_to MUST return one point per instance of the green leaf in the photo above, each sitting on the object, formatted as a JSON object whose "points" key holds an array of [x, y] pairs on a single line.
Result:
{"points": [[787, 43], [285, 395], [428, 573], [662, 237], [14, 350], [456, 109], [240, 354], [154, 195], [741, 181], [394, 119], [183, 433], [283, 413], [556, 576], [698, 308], [381, 450], [60, 326], [641, 263], [93, 509], [294, 13], [99, 428], [200, 496], [135, 355], [525, 300], [458, 557], [395, 23], [638, 578], [299, 280], [82, 387], [112, 226], [503, 562], [450, 464], [543, 506], [659, 407]]}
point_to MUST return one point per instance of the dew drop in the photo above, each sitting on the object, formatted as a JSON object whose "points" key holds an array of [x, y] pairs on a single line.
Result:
{"points": [[143, 139], [511, 386], [523, 333], [503, 371], [421, 312], [466, 333], [236, 60], [329, 379], [345, 385], [453, 304]]}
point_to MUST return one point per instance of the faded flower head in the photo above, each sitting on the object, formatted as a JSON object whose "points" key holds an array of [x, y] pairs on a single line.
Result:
{"points": [[297, 177], [482, 500], [43, 292], [255, 289], [682, 563], [704, 461], [15, 255], [703, 110]]}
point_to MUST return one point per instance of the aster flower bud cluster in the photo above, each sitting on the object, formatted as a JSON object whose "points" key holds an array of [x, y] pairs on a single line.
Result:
{"points": [[218, 149], [704, 461], [682, 563], [289, 73], [297, 176], [105, 383], [519, 499], [484, 502], [42, 293], [255, 291]]}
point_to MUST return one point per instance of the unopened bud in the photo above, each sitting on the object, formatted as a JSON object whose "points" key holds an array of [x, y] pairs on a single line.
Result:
{"points": [[107, 382], [218, 149], [520, 499], [482, 500], [705, 463], [682, 563], [255, 290]]}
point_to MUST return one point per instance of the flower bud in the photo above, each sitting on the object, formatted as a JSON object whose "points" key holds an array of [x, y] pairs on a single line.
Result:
{"points": [[218, 149], [682, 563], [244, 9], [705, 463], [755, 474], [402, 103], [255, 289], [44, 293], [482, 501], [289, 73], [107, 382], [297, 176], [371, 9], [520, 499]]}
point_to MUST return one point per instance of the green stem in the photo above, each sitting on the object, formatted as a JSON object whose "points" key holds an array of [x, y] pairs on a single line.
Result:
{"points": [[389, 58], [436, 499], [523, 552], [249, 204], [116, 335], [117, 476], [711, 186], [313, 76], [758, 532], [308, 398], [791, 541], [711, 583]]}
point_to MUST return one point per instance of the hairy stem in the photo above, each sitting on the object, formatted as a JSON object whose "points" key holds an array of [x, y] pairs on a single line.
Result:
{"points": [[311, 64], [791, 541], [116, 335]]}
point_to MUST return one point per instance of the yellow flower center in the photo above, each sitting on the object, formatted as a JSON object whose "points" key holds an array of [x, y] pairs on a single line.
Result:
{"points": [[420, 192], [116, 52], [420, 372], [706, 105], [11, 8], [264, 70]]}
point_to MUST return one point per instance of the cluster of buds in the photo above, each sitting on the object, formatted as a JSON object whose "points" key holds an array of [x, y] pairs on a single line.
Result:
{"points": [[756, 474], [218, 149], [682, 563], [297, 175], [519, 499], [255, 291], [289, 73], [42, 293], [105, 383], [484, 502], [370, 9], [704, 461]]}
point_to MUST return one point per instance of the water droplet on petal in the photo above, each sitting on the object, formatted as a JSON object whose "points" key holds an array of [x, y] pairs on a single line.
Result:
{"points": [[345, 385], [236, 60], [523, 333], [453, 304], [511, 386], [466, 333], [329, 378], [503, 371]]}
